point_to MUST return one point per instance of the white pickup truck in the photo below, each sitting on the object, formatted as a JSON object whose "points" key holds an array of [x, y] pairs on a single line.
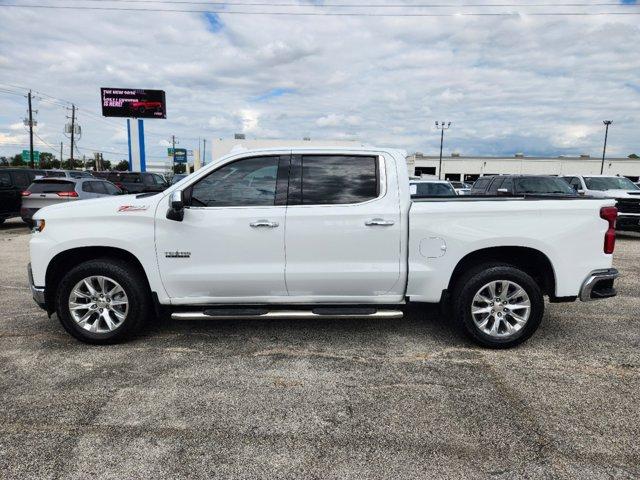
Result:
{"points": [[307, 232]]}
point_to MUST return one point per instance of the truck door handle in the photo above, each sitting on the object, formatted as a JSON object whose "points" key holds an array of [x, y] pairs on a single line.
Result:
{"points": [[264, 223], [379, 222]]}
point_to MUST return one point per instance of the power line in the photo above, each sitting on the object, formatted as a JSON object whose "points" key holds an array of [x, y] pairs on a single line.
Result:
{"points": [[363, 5], [327, 14]]}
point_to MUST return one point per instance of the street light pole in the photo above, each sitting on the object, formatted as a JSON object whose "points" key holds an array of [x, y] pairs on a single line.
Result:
{"points": [[442, 127], [604, 150]]}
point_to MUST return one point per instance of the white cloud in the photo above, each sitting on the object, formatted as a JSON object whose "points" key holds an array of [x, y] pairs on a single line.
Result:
{"points": [[532, 84]]}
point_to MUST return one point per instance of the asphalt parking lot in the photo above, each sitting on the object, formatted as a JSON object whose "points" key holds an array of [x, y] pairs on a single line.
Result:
{"points": [[365, 399]]}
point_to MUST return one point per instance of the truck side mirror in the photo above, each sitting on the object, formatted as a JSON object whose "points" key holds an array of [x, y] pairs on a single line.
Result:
{"points": [[580, 192], [176, 206]]}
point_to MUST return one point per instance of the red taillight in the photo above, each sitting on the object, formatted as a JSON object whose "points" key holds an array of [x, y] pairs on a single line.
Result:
{"points": [[119, 185], [68, 194], [609, 214], [26, 193]]}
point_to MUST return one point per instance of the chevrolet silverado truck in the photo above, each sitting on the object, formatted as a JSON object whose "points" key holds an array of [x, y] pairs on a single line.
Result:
{"points": [[298, 233]]}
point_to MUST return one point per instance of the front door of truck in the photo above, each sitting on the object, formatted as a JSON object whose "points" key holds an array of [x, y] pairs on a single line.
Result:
{"points": [[344, 233], [230, 244]]}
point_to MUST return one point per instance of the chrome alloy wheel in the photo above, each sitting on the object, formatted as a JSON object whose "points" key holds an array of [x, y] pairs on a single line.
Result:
{"points": [[98, 304], [501, 308]]}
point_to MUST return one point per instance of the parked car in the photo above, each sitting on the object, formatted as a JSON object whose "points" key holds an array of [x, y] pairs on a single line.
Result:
{"points": [[137, 182], [426, 188], [516, 185], [49, 191], [12, 182], [177, 177], [67, 174], [626, 193], [357, 245], [461, 188]]}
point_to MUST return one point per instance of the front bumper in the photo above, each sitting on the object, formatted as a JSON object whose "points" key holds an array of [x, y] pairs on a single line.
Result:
{"points": [[36, 292], [626, 221], [599, 284]]}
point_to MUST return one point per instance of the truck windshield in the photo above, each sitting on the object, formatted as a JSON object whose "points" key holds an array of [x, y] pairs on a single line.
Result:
{"points": [[542, 185], [609, 183]]}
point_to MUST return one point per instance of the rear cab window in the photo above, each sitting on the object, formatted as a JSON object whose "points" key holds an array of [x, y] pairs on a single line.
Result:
{"points": [[334, 179]]}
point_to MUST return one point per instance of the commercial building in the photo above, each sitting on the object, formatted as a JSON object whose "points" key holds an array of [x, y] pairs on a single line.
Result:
{"points": [[458, 167]]}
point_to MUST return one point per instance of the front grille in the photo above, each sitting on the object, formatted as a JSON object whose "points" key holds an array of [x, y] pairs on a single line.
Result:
{"points": [[628, 205]]}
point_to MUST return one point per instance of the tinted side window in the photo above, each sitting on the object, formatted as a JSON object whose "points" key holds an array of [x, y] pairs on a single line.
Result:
{"points": [[248, 182], [495, 185], [508, 184], [87, 187], [111, 188], [480, 186], [158, 179], [98, 187], [328, 180], [575, 183], [21, 179], [5, 179]]}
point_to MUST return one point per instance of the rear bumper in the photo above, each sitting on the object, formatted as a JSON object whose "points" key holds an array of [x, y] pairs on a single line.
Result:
{"points": [[599, 284], [36, 292]]}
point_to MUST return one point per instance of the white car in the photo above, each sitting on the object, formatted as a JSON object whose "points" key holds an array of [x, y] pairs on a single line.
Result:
{"points": [[626, 193], [311, 233]]}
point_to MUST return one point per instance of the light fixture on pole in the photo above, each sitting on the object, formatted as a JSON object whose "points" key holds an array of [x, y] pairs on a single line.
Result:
{"points": [[604, 149], [442, 126]]}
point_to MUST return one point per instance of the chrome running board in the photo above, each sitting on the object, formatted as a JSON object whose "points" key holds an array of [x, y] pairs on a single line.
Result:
{"points": [[288, 314]]}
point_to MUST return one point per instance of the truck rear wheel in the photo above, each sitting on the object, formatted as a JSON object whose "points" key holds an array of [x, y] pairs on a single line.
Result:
{"points": [[102, 301], [498, 305]]}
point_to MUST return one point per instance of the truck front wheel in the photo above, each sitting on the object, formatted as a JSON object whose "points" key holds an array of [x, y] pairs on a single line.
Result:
{"points": [[102, 301], [498, 305]]}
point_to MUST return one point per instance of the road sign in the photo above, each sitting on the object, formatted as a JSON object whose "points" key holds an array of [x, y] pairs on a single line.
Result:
{"points": [[26, 157], [181, 154]]}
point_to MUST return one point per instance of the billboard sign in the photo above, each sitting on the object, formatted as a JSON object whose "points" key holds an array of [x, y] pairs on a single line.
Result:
{"points": [[130, 103]]}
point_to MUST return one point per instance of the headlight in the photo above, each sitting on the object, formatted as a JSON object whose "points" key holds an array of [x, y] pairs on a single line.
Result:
{"points": [[38, 225]]}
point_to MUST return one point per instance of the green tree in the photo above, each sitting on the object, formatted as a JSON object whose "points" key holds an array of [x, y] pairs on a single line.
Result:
{"points": [[4, 162], [179, 168], [106, 164], [122, 166], [634, 155], [16, 161], [45, 160]]}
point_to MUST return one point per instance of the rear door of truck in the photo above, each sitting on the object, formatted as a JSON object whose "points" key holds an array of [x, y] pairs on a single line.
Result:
{"points": [[343, 228]]}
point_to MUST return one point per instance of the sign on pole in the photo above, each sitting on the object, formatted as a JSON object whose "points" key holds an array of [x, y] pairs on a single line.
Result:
{"points": [[26, 157], [181, 154], [133, 103]]}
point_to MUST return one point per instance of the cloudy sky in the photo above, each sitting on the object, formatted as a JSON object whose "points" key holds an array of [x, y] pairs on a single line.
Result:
{"points": [[521, 83]]}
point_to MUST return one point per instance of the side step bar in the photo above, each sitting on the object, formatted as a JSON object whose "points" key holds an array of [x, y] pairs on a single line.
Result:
{"points": [[319, 312]]}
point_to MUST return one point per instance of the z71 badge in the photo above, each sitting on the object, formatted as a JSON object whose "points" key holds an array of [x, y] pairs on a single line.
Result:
{"points": [[132, 208]]}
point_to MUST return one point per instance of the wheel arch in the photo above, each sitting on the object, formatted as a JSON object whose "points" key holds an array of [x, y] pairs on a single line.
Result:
{"points": [[67, 259], [530, 260]]}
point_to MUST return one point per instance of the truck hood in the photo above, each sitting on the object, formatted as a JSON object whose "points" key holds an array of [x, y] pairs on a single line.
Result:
{"points": [[616, 194], [100, 207]]}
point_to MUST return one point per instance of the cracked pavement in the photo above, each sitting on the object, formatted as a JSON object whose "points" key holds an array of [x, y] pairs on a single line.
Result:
{"points": [[406, 398]]}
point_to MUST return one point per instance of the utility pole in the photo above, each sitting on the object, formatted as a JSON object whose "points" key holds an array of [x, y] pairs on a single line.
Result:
{"points": [[604, 150], [73, 128], [60, 154], [31, 165], [173, 163], [204, 150], [442, 128]]}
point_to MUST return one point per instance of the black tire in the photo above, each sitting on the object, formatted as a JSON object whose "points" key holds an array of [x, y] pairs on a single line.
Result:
{"points": [[469, 284], [30, 223], [132, 282]]}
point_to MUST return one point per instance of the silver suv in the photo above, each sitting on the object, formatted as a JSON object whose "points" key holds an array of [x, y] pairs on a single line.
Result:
{"points": [[49, 191]]}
